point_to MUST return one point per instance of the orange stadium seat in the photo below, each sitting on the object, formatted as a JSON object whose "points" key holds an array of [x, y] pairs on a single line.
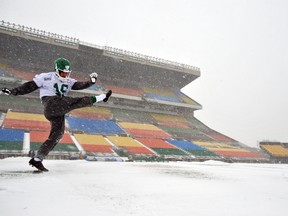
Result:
{"points": [[97, 148], [155, 143], [41, 136], [26, 124], [27, 121], [139, 150], [239, 153], [66, 144], [220, 137], [24, 75]]}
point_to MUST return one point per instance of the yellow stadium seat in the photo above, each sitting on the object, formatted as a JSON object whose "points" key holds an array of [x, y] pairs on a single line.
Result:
{"points": [[138, 126], [91, 139], [25, 116], [124, 141]]}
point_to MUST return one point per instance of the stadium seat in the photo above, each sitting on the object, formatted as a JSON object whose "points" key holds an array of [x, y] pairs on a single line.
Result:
{"points": [[174, 121], [161, 147], [237, 153], [11, 139], [161, 95], [130, 145], [94, 143], [66, 144], [26, 121], [276, 150], [91, 126], [23, 75], [133, 116], [144, 130], [97, 113]]}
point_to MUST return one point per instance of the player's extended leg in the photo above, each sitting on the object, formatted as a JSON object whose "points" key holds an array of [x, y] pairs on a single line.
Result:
{"points": [[57, 106], [56, 133]]}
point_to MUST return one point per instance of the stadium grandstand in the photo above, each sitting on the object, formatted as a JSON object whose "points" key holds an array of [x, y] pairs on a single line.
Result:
{"points": [[148, 117], [278, 151]]}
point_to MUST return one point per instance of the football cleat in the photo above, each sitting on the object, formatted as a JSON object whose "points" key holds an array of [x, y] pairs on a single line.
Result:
{"points": [[108, 94], [38, 165]]}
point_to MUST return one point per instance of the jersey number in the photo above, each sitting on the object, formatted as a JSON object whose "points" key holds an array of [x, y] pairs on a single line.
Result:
{"points": [[60, 92]]}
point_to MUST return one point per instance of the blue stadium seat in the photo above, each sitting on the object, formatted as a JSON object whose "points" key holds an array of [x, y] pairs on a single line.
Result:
{"points": [[95, 87], [91, 126], [11, 139], [163, 97], [11, 135], [185, 145]]}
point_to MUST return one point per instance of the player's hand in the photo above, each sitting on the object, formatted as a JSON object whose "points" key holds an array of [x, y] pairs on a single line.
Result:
{"points": [[6, 91], [93, 77]]}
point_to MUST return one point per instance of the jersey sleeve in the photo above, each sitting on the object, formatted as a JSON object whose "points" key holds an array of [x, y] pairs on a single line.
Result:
{"points": [[39, 79]]}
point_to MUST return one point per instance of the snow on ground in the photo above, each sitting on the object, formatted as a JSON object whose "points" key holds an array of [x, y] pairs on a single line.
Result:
{"points": [[140, 188]]}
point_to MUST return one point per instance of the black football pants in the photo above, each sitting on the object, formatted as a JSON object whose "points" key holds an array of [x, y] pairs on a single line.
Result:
{"points": [[55, 108]]}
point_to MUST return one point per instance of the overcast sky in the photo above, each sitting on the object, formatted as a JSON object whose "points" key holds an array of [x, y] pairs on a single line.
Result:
{"points": [[240, 46]]}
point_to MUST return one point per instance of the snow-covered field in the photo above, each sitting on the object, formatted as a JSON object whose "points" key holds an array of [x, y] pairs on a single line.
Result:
{"points": [[123, 188]]}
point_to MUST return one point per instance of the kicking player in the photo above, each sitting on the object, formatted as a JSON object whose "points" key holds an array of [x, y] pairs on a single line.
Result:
{"points": [[54, 87]]}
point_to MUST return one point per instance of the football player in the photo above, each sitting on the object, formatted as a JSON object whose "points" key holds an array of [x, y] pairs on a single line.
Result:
{"points": [[54, 87]]}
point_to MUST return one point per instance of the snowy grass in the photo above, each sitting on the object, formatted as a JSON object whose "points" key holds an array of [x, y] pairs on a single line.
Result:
{"points": [[120, 188]]}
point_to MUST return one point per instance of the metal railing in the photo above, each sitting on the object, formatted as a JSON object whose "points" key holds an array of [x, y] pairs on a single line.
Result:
{"points": [[148, 59], [14, 28]]}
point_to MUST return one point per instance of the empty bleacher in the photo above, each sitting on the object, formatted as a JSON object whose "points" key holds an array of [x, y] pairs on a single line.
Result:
{"points": [[96, 113], [161, 95], [26, 121], [275, 149], [2, 72], [124, 115], [23, 75], [236, 153], [186, 99], [192, 148], [187, 134], [66, 144], [218, 137], [91, 126], [22, 104], [11, 140], [94, 143], [230, 151], [175, 121], [161, 147], [131, 145], [179, 127], [144, 130]]}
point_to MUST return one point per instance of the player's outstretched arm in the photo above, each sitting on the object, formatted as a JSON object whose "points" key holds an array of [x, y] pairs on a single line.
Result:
{"points": [[25, 88], [84, 85]]}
